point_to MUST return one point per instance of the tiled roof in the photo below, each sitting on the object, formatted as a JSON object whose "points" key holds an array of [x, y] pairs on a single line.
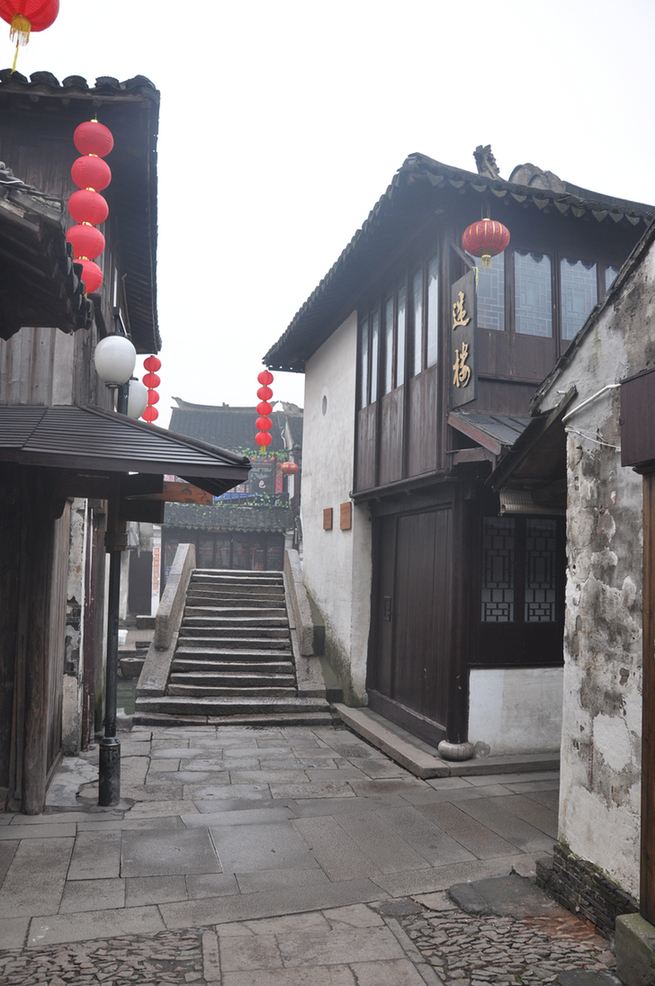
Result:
{"points": [[223, 517], [229, 427], [131, 110], [420, 183], [37, 267], [91, 440]]}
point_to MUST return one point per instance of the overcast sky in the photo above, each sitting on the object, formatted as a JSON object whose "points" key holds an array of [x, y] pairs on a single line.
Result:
{"points": [[283, 122]]}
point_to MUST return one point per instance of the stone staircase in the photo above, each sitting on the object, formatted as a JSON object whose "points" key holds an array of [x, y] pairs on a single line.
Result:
{"points": [[233, 662]]}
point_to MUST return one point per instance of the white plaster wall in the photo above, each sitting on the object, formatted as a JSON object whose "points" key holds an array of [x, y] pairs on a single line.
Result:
{"points": [[515, 710], [601, 731], [75, 601], [336, 563]]}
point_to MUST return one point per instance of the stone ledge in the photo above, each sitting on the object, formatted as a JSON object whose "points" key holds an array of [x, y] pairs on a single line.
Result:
{"points": [[423, 761], [635, 950]]}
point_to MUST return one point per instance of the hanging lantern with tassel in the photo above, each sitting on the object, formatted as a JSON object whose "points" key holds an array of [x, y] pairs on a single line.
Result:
{"points": [[25, 16], [486, 239]]}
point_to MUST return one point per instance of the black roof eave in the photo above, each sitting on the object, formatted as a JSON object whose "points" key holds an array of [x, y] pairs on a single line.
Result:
{"points": [[315, 320]]}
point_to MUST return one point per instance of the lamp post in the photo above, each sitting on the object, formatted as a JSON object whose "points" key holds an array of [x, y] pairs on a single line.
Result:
{"points": [[114, 358]]}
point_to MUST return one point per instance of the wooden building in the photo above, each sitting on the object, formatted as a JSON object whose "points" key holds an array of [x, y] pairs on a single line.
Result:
{"points": [[71, 469], [246, 528], [444, 599]]}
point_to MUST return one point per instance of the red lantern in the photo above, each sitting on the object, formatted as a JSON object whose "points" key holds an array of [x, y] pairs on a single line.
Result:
{"points": [[485, 239], [150, 414], [152, 364], [87, 241], [263, 438], [265, 378], [91, 274], [153, 397], [151, 380], [86, 206], [264, 393], [92, 137], [264, 408], [91, 172], [263, 424], [289, 468], [25, 16]]}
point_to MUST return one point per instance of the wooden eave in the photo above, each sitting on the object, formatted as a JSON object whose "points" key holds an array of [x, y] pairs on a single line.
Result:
{"points": [[131, 111], [420, 186]]}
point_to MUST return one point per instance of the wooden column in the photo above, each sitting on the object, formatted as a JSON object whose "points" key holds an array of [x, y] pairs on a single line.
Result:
{"points": [[647, 887], [37, 556]]}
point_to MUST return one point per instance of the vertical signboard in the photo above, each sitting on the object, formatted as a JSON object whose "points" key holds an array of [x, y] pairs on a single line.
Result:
{"points": [[156, 569], [463, 320]]}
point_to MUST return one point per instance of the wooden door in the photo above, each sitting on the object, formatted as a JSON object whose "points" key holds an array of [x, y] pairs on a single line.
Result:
{"points": [[409, 654]]}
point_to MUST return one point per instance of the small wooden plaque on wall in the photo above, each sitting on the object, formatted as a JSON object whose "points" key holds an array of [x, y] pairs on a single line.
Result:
{"points": [[346, 518], [327, 519]]}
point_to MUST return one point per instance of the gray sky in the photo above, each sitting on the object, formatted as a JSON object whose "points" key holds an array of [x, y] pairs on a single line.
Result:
{"points": [[283, 123]]}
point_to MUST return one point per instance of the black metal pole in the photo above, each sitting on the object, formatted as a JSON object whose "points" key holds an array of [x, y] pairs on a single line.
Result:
{"points": [[122, 397], [109, 777]]}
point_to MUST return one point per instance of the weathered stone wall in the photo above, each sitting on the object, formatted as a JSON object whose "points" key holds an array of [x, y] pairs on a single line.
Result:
{"points": [[601, 721]]}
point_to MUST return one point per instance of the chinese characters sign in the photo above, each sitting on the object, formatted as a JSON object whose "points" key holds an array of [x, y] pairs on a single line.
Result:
{"points": [[463, 378]]}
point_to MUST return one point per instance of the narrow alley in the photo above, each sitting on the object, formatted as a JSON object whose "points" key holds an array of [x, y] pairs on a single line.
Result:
{"points": [[286, 856]]}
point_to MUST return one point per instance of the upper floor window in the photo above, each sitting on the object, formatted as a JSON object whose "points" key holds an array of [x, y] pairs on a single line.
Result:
{"points": [[579, 294], [533, 294], [417, 321], [610, 276], [399, 332], [491, 293]]}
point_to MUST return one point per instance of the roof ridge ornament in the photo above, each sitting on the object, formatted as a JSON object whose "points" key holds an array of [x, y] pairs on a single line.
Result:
{"points": [[485, 161]]}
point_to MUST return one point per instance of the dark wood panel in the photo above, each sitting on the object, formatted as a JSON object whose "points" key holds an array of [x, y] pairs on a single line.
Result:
{"points": [[391, 436], [532, 357], [410, 646], [366, 448], [422, 423]]}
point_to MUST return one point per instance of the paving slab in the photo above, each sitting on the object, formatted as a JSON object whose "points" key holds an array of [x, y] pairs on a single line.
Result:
{"points": [[338, 855], [96, 855], [92, 895], [88, 925], [164, 853], [247, 848], [143, 890], [35, 881], [271, 879]]}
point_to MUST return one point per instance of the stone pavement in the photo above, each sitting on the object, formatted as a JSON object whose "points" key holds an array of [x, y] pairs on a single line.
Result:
{"points": [[268, 857]]}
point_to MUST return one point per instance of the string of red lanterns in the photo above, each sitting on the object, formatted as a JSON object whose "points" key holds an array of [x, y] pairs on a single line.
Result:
{"points": [[264, 408], [151, 380], [25, 16], [87, 207]]}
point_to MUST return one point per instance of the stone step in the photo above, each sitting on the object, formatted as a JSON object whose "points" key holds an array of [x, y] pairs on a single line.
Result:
{"points": [[277, 617], [184, 665], [240, 600], [254, 721], [222, 642], [255, 580], [229, 706], [230, 656], [203, 629], [233, 679], [261, 694]]}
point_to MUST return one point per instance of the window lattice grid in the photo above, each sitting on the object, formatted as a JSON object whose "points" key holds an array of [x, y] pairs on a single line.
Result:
{"points": [[498, 546], [491, 294], [540, 570], [534, 314]]}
